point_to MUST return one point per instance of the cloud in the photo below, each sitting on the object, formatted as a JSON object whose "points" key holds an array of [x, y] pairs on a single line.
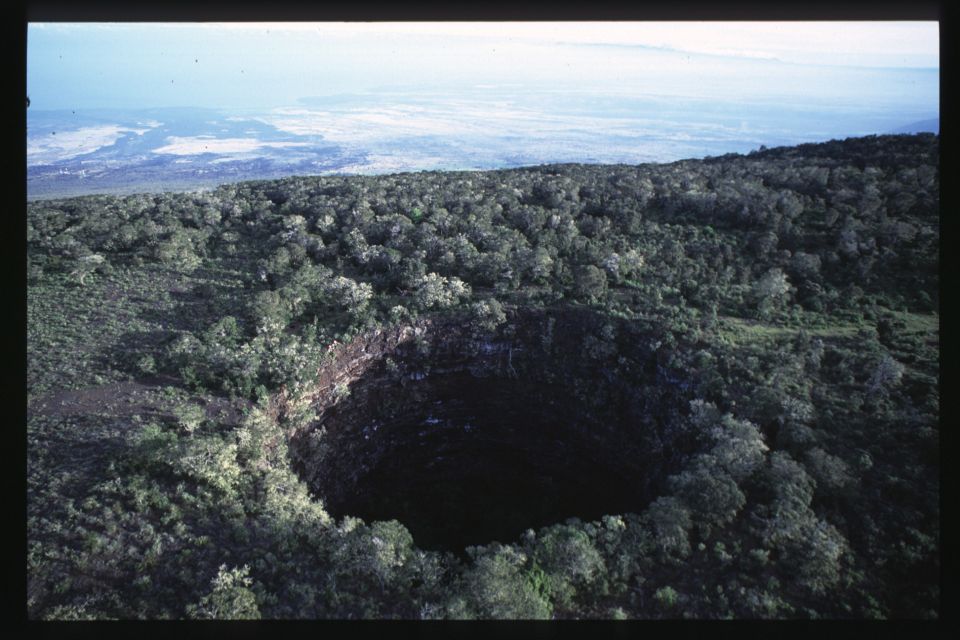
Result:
{"points": [[865, 43], [45, 146], [193, 145]]}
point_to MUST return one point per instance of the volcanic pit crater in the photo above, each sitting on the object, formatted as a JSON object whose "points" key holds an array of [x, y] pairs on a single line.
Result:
{"points": [[469, 436]]}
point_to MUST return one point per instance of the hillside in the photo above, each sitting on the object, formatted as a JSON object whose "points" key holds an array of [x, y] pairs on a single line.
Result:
{"points": [[923, 126], [703, 389]]}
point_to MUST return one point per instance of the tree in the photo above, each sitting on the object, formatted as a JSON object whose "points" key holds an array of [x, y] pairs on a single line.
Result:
{"points": [[436, 291], [830, 472], [230, 598], [810, 547], [631, 263], [590, 283], [178, 250], [671, 523], [770, 292], [709, 491], [886, 375], [497, 586], [739, 447], [347, 294], [374, 555], [487, 315], [269, 311], [569, 561], [667, 597]]}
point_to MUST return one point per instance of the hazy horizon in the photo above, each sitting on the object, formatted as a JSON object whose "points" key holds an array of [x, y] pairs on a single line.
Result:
{"points": [[376, 97]]}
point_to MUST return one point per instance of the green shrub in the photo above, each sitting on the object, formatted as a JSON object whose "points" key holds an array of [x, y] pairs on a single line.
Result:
{"points": [[229, 599], [666, 597]]}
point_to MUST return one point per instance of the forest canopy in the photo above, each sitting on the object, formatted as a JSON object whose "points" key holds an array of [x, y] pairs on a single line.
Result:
{"points": [[777, 313]]}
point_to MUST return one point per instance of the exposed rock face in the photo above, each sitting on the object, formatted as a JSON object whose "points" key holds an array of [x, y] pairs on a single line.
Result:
{"points": [[470, 437]]}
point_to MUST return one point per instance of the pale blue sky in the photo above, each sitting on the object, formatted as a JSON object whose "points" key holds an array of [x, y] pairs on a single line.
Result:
{"points": [[264, 66]]}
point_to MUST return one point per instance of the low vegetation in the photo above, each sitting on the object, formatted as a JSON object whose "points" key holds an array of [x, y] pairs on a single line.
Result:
{"points": [[791, 296]]}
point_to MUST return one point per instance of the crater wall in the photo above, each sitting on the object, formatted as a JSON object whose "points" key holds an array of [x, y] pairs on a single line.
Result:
{"points": [[469, 436]]}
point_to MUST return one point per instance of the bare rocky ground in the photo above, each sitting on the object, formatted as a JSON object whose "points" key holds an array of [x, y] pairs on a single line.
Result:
{"points": [[144, 398]]}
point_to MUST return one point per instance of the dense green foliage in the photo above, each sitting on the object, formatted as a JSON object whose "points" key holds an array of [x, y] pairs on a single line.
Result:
{"points": [[798, 287]]}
